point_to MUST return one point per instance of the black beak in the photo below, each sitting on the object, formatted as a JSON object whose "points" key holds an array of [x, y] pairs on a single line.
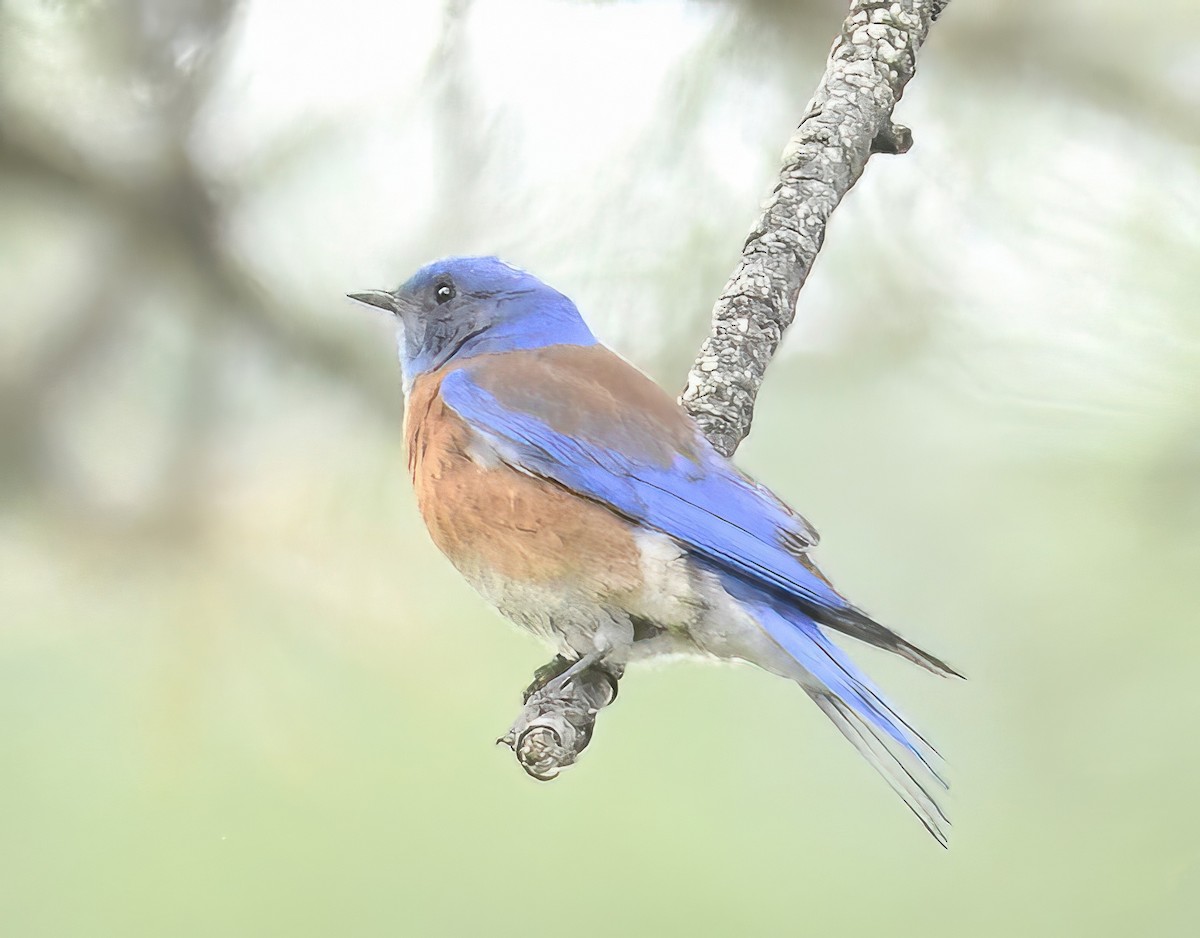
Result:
{"points": [[380, 299]]}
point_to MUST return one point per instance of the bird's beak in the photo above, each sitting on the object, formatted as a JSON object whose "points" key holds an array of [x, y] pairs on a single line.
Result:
{"points": [[380, 299]]}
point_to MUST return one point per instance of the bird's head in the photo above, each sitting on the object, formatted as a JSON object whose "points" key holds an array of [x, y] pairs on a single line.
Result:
{"points": [[460, 307]]}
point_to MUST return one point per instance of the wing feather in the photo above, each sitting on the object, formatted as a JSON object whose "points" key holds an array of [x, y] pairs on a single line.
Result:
{"points": [[578, 432]]}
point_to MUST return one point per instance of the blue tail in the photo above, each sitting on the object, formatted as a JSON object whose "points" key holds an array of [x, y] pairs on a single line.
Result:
{"points": [[896, 750]]}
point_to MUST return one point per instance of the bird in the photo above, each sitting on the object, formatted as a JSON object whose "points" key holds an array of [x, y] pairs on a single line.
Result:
{"points": [[585, 504]]}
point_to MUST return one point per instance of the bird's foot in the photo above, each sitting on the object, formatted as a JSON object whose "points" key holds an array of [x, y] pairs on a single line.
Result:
{"points": [[553, 677], [595, 664], [560, 711], [545, 674], [557, 683]]}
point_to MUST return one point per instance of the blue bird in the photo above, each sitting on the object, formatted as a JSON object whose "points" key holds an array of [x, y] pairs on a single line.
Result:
{"points": [[585, 504]]}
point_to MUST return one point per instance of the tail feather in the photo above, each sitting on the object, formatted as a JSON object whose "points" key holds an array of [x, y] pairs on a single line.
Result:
{"points": [[915, 795], [841, 616], [857, 624], [898, 752]]}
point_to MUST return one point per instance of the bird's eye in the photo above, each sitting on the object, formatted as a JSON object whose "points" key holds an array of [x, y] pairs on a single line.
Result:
{"points": [[444, 293]]}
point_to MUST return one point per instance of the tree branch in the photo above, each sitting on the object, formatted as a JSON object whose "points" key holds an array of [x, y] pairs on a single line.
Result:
{"points": [[848, 119], [556, 723]]}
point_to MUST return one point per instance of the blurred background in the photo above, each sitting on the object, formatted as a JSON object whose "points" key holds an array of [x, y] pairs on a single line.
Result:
{"points": [[241, 693]]}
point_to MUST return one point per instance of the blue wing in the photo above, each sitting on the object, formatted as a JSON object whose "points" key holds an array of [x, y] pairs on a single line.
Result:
{"points": [[703, 502], [698, 498], [587, 432]]}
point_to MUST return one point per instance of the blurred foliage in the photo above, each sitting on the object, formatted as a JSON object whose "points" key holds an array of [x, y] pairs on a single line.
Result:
{"points": [[243, 696]]}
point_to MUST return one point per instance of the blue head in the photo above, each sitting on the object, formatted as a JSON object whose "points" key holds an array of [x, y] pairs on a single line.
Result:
{"points": [[463, 306]]}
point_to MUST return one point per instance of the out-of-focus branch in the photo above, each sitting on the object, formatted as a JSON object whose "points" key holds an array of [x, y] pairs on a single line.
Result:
{"points": [[176, 50], [848, 119], [166, 215], [176, 215]]}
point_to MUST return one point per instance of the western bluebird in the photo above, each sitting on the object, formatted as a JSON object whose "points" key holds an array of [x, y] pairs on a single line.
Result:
{"points": [[584, 503]]}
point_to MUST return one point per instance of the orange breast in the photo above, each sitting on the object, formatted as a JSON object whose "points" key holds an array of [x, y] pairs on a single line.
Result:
{"points": [[483, 514]]}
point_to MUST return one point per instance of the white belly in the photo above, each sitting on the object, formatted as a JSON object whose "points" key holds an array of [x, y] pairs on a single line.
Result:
{"points": [[694, 614]]}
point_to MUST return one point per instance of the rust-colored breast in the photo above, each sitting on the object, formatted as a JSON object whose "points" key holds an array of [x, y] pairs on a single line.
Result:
{"points": [[486, 516]]}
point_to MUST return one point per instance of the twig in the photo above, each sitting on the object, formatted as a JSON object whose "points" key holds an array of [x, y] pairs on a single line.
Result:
{"points": [[556, 724], [848, 119]]}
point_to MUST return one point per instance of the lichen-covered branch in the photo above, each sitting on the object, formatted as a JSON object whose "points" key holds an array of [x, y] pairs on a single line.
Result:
{"points": [[556, 723], [848, 119]]}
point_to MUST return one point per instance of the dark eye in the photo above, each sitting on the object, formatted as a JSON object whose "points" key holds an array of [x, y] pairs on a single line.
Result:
{"points": [[444, 293]]}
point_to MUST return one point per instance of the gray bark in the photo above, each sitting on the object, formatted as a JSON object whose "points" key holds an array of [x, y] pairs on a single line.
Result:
{"points": [[848, 119]]}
